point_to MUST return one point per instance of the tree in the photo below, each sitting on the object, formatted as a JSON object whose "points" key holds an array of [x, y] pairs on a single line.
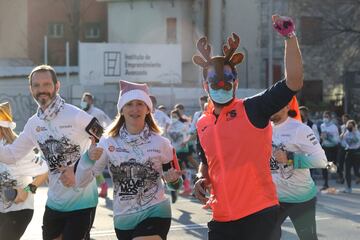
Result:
{"points": [[330, 39]]}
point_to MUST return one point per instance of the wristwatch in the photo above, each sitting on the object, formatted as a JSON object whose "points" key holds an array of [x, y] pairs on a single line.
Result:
{"points": [[290, 157], [31, 188]]}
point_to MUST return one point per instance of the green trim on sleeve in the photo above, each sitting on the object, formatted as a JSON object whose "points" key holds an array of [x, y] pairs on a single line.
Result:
{"points": [[301, 161], [173, 186], [87, 161]]}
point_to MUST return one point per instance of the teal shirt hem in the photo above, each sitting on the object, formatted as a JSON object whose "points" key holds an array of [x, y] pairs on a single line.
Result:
{"points": [[130, 221], [300, 198], [82, 199]]}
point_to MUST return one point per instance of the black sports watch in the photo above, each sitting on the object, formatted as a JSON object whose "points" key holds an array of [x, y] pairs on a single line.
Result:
{"points": [[31, 188]]}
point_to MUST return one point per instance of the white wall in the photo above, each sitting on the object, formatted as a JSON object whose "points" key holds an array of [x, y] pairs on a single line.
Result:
{"points": [[138, 22], [146, 24]]}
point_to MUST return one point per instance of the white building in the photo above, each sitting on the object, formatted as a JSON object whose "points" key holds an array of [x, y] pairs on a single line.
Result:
{"points": [[184, 22]]}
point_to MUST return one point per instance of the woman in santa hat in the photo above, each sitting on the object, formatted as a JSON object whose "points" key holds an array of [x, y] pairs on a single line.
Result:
{"points": [[139, 159]]}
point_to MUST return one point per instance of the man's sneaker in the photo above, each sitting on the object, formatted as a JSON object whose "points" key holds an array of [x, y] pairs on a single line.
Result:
{"points": [[103, 190], [347, 190]]}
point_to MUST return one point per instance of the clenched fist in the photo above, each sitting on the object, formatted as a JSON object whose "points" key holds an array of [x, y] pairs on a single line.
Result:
{"points": [[284, 25], [94, 151], [172, 175]]}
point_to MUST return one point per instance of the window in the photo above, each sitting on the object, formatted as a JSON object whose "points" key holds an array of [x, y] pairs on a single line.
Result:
{"points": [[171, 30], [92, 31], [56, 30], [311, 28]]}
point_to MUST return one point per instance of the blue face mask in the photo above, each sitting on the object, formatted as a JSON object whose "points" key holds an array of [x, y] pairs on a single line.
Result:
{"points": [[221, 96]]}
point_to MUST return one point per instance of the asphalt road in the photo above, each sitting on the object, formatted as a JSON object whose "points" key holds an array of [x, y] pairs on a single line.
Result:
{"points": [[338, 218]]}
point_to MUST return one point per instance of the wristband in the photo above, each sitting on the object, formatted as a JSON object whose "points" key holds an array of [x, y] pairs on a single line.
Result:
{"points": [[30, 188], [290, 35], [290, 162], [290, 157]]}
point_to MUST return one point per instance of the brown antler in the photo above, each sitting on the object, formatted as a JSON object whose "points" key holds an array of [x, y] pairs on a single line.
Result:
{"points": [[204, 48], [233, 42]]}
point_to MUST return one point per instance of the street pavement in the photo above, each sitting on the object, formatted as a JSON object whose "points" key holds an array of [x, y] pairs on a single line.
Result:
{"points": [[337, 217]]}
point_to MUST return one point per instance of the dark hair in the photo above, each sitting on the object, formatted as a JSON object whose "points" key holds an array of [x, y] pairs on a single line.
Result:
{"points": [[44, 68], [303, 108], [292, 113], [327, 113], [179, 106], [176, 111], [204, 98], [161, 107], [346, 115], [87, 94]]}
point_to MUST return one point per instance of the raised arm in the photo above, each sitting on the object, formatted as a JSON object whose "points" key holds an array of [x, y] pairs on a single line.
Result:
{"points": [[292, 60]]}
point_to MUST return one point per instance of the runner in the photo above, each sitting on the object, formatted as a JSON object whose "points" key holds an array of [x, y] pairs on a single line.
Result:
{"points": [[138, 158], [58, 129], [235, 136], [295, 150], [329, 141], [351, 141], [17, 187]]}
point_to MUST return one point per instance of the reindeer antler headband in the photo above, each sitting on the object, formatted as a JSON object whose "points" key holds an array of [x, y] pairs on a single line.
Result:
{"points": [[230, 58]]}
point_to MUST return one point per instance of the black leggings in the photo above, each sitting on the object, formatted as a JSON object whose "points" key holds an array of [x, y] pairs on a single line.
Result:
{"points": [[340, 161], [302, 216], [351, 160], [331, 154], [13, 224]]}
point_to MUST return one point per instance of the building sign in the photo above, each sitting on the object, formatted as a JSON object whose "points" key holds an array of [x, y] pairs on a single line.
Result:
{"points": [[109, 62]]}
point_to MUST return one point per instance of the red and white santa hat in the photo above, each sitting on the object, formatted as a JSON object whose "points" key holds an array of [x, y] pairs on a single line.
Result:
{"points": [[133, 91], [6, 118]]}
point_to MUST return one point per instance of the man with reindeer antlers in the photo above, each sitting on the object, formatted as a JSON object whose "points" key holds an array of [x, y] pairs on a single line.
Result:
{"points": [[235, 140]]}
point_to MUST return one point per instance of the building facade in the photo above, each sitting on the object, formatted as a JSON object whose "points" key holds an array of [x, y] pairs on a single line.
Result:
{"points": [[63, 21], [184, 22]]}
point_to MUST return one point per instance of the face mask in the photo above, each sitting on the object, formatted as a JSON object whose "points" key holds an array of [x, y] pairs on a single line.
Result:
{"points": [[84, 105], [326, 120], [221, 96], [174, 120], [349, 129]]}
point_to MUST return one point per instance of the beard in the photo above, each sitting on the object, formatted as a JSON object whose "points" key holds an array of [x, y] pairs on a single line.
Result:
{"points": [[45, 101]]}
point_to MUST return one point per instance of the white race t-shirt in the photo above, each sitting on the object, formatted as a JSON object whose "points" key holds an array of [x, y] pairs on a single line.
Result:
{"points": [[296, 185], [62, 141], [20, 174], [135, 170]]}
